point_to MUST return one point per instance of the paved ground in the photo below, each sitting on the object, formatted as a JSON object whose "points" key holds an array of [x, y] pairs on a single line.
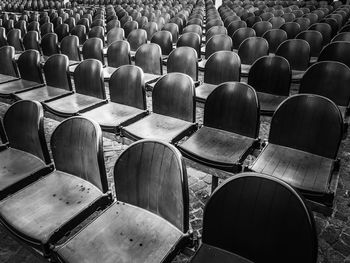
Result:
{"points": [[333, 232]]}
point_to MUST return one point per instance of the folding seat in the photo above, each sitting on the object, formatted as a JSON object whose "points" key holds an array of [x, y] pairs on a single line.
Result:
{"points": [[70, 21], [276, 22], [21, 25], [344, 36], [297, 52], [112, 24], [252, 20], [214, 44], [288, 17], [136, 38], [164, 213], [230, 129], [165, 40], [62, 31], [98, 32], [24, 154], [46, 28], [173, 111], [274, 38], [49, 44], [250, 50], [151, 28], [336, 51], [222, 66], [329, 79], [8, 67], [31, 40], [261, 27], [271, 78], [89, 87], [58, 83], [115, 34], [315, 40], [291, 28], [258, 205], [71, 193], [70, 47], [325, 30], [29, 67], [240, 35], [128, 100], [305, 134], [3, 38], [173, 29], [184, 60]]}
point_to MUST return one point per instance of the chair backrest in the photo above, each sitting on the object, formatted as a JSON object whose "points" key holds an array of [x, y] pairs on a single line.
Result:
{"points": [[93, 48], [84, 22], [215, 30], [252, 20], [173, 29], [22, 25], [217, 43], [274, 38], [70, 21], [46, 28], [308, 122], [136, 38], [276, 22], [7, 62], [98, 32], [253, 48], [222, 66], [49, 44], [261, 27], [88, 78], [312, 17], [296, 51], [234, 25], [118, 54], [344, 36], [56, 72], [291, 28], [130, 26], [97, 22], [14, 39], [234, 107], [288, 17], [150, 27], [70, 47], [325, 30], [240, 35], [190, 39], [127, 86], [164, 40], [149, 58], [114, 23], [62, 31], [31, 40], [252, 204], [303, 22], [3, 37], [80, 32], [77, 148], [315, 40], [184, 60], [29, 66], [152, 175], [271, 75], [115, 34], [336, 51], [194, 29], [329, 79], [34, 26], [174, 95]]}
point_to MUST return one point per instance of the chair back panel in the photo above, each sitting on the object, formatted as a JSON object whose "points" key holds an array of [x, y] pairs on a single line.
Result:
{"points": [[7, 61], [29, 66], [149, 58], [55, 70], [184, 60], [70, 47]]}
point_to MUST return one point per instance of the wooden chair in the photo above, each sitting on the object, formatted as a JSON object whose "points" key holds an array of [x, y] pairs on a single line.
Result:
{"points": [[274, 38], [297, 52], [115, 34], [234, 25], [128, 100], [261, 27], [43, 212], [24, 156], [193, 29], [174, 31], [70, 21], [130, 26], [271, 78], [173, 113], [291, 28], [183, 60], [240, 35], [303, 22], [89, 87], [34, 26], [62, 31], [84, 22], [336, 51], [136, 38], [70, 47], [151, 27], [325, 30], [190, 39], [165, 41], [22, 25], [253, 204], [93, 48], [252, 20], [31, 41], [305, 134], [276, 22], [3, 38], [14, 39], [114, 23], [222, 66], [49, 44], [315, 40], [58, 83], [215, 30], [8, 67], [118, 54], [80, 32], [344, 36], [29, 67], [150, 220], [230, 129], [98, 32]]}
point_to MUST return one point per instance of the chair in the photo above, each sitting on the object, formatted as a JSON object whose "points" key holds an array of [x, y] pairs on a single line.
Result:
{"points": [[84, 22], [325, 30], [250, 50], [183, 60], [93, 48], [164, 214], [261, 27], [165, 41], [305, 135], [24, 156], [136, 38], [258, 205], [173, 29], [70, 193], [70, 48], [329, 79], [291, 28], [31, 40], [192, 40], [29, 67], [240, 35], [233, 26], [252, 20], [97, 22], [193, 29], [49, 44], [303, 22], [114, 23], [345, 28], [230, 129], [115, 34], [89, 87], [3, 38], [62, 31], [45, 29], [173, 113], [274, 38], [215, 30], [151, 28], [344, 36], [34, 26], [336, 51], [222, 66], [315, 40], [288, 17], [22, 25], [266, 16], [70, 21], [271, 78], [8, 67], [14, 39], [97, 32], [80, 32], [312, 17], [58, 83], [297, 52], [128, 100], [276, 22]]}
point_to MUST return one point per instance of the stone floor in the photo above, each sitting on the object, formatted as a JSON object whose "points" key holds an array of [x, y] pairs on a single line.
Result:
{"points": [[333, 231]]}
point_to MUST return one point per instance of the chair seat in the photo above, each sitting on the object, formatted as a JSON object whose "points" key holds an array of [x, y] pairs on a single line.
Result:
{"points": [[156, 126], [149, 78], [217, 148], [269, 102], [201, 64], [203, 91], [41, 208], [72, 104], [245, 68], [42, 94], [303, 170], [209, 254], [7, 78], [297, 75], [15, 165], [123, 233], [112, 115], [13, 87]]}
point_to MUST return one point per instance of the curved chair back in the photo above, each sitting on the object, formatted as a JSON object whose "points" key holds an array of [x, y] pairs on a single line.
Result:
{"points": [[303, 22], [114, 23], [217, 43], [252, 204], [34, 26], [77, 148], [22, 25], [62, 31], [151, 28], [164, 192], [46, 28], [29, 66], [315, 40], [118, 54], [7, 62], [252, 20], [271, 75], [184, 60], [344, 36], [274, 38], [325, 30], [215, 30], [240, 35], [253, 48], [336, 51], [49, 44], [173, 29], [308, 122], [98, 32], [3, 37], [70, 21], [296, 51], [234, 25], [291, 28], [136, 38], [93, 48], [14, 39], [164, 40], [149, 58], [31, 40], [115, 34], [234, 107], [129, 27], [55, 70], [261, 27], [174, 95], [84, 22], [276, 22], [190, 39], [70, 47], [80, 32], [194, 29]]}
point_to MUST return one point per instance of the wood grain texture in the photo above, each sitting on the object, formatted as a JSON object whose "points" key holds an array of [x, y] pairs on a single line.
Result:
{"points": [[217, 43], [183, 60], [165, 40], [336, 51], [314, 38], [137, 38], [297, 52], [240, 35], [325, 30], [118, 54], [70, 47], [93, 48], [8, 66], [49, 44], [275, 37]]}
